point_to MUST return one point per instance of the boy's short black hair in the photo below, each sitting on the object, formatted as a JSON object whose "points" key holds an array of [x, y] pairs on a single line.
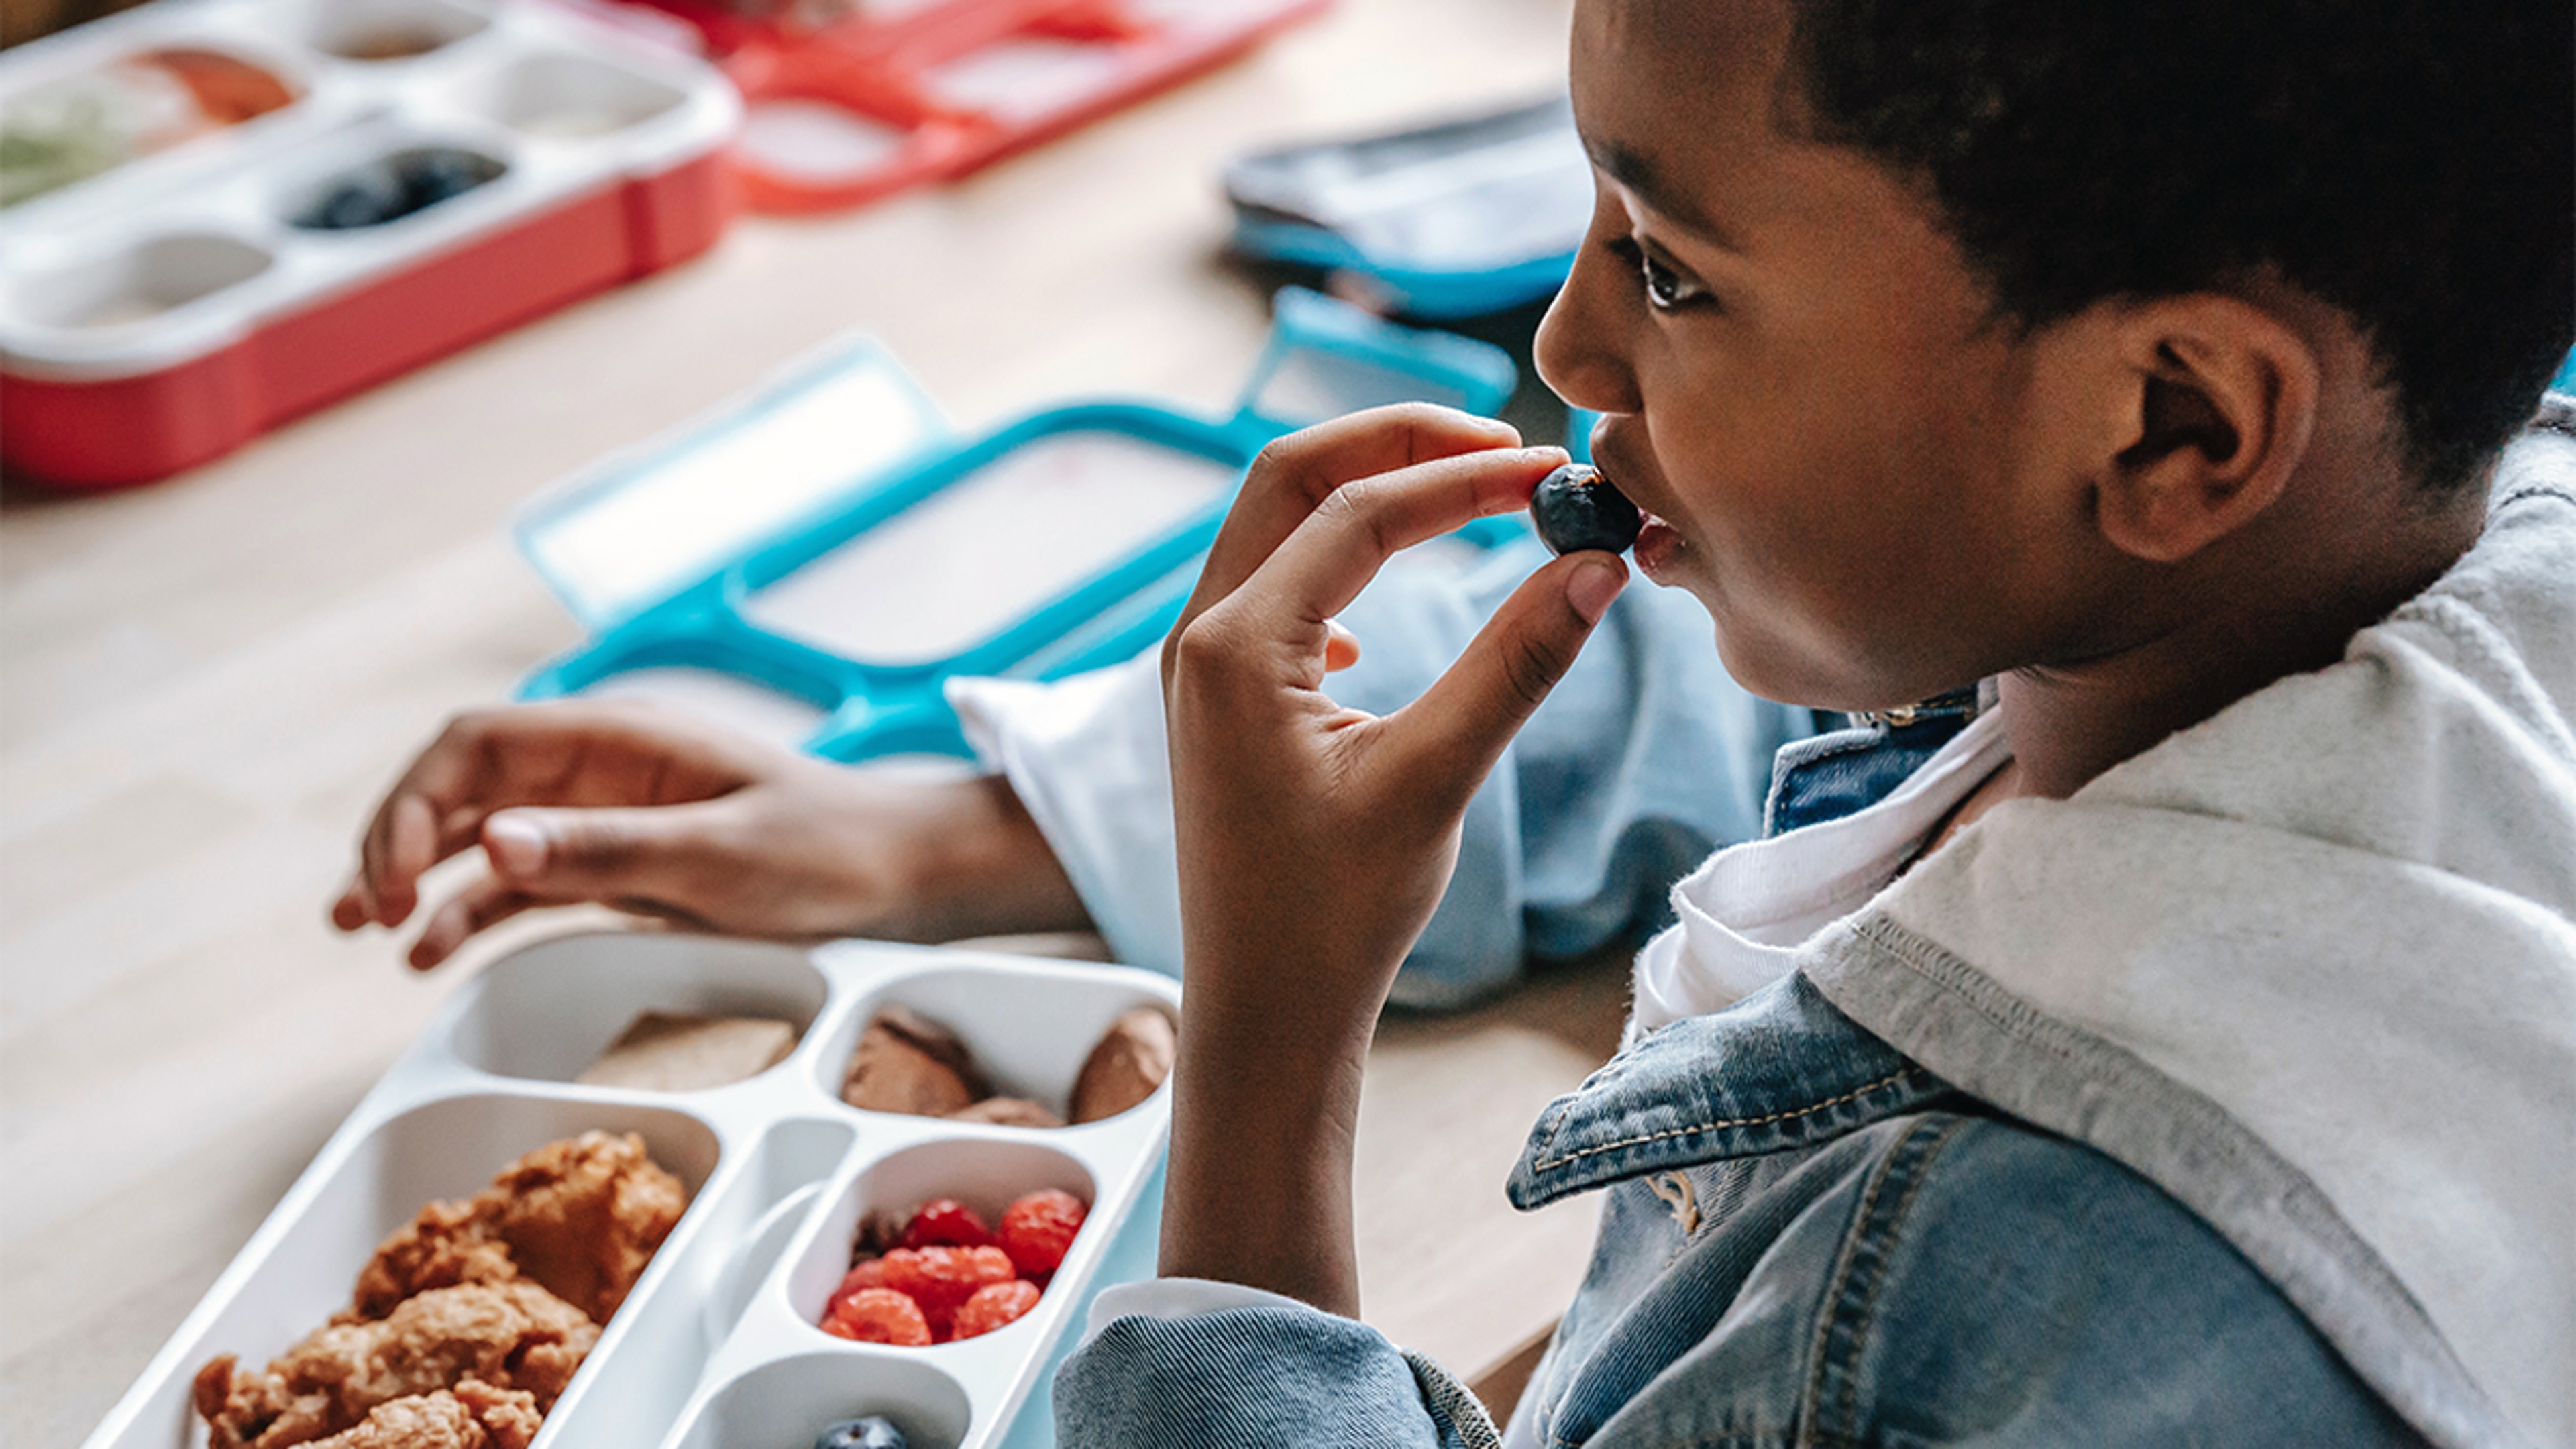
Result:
{"points": [[2412, 162]]}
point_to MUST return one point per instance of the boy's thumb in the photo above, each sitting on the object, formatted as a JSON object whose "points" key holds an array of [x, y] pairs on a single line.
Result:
{"points": [[515, 842], [1470, 713], [590, 854]]}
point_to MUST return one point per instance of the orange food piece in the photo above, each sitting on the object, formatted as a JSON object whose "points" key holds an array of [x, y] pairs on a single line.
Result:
{"points": [[1039, 1229], [993, 1305], [942, 1279], [879, 1315], [946, 1222], [865, 1273]]}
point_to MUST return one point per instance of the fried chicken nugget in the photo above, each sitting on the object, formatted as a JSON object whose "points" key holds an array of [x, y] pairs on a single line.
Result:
{"points": [[508, 1336], [581, 1216], [474, 1416]]}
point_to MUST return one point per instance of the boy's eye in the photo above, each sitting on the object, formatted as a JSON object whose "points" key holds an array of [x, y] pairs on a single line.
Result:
{"points": [[1665, 288]]}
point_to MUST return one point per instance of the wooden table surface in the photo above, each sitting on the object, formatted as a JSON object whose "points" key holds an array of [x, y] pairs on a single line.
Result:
{"points": [[204, 683]]}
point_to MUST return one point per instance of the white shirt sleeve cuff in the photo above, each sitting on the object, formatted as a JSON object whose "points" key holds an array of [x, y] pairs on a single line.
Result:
{"points": [[1085, 755], [1169, 1298]]}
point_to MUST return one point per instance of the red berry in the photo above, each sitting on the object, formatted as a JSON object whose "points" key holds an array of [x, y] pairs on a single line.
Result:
{"points": [[879, 1315], [993, 1305], [946, 1222], [865, 1273], [1038, 1229], [942, 1279]]}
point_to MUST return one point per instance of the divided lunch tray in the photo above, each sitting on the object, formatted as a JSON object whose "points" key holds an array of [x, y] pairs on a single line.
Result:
{"points": [[814, 562], [853, 101], [716, 1347], [167, 309], [1459, 218]]}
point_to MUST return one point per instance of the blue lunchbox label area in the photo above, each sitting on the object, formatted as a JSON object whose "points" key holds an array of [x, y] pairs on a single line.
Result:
{"points": [[796, 559]]}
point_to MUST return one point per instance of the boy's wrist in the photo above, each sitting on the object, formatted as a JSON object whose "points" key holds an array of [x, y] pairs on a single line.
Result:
{"points": [[1259, 1191], [975, 863]]}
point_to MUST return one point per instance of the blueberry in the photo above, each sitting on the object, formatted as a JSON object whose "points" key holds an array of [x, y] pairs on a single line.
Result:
{"points": [[430, 177], [868, 1433], [365, 198], [1575, 508]]}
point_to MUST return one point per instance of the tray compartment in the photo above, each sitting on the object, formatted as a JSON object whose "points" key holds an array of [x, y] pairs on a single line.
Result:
{"points": [[784, 1404], [391, 189], [561, 95], [632, 1394], [378, 31], [139, 283], [303, 1263], [546, 1013], [1049, 514], [984, 1174], [1028, 1026], [168, 89]]}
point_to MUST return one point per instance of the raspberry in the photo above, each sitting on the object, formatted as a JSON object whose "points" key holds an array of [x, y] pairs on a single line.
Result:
{"points": [[993, 1305], [942, 1279], [878, 1315], [865, 1273], [1039, 1228], [946, 1222]]}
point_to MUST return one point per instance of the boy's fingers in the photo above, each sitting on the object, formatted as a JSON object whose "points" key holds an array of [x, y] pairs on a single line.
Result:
{"points": [[572, 752], [480, 906], [661, 853], [1451, 736], [1341, 647], [412, 846], [653, 858], [1297, 472], [1330, 557]]}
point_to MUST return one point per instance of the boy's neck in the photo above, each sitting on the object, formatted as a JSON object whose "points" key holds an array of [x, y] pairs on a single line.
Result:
{"points": [[2292, 609]]}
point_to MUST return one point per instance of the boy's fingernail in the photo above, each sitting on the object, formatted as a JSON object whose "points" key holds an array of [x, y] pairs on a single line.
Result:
{"points": [[1592, 587], [516, 844]]}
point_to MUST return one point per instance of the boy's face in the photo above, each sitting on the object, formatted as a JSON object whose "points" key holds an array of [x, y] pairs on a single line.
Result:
{"points": [[1845, 461]]}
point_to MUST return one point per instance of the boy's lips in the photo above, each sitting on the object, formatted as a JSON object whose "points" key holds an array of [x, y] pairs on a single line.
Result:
{"points": [[1657, 541]]}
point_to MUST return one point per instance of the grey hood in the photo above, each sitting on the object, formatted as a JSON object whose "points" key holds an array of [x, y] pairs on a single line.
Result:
{"points": [[2310, 967]]}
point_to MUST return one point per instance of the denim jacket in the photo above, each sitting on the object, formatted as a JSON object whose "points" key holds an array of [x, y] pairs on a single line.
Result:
{"points": [[1808, 1239]]}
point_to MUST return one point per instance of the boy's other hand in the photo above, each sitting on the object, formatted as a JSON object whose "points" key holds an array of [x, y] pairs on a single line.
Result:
{"points": [[654, 811], [1315, 840]]}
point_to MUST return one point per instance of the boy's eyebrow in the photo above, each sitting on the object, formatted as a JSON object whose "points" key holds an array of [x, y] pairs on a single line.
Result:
{"points": [[1634, 170]]}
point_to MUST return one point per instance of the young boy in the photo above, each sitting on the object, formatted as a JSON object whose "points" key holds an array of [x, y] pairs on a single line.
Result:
{"points": [[2181, 1053]]}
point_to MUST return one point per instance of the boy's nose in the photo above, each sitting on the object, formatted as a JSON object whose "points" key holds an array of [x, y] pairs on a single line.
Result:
{"points": [[1580, 349]]}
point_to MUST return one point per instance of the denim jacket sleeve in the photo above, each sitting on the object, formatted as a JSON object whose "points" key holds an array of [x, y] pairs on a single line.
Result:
{"points": [[1644, 758], [1937, 1278], [1259, 1376]]}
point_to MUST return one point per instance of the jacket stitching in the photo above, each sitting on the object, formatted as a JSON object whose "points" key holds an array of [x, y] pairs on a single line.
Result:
{"points": [[2015, 1020], [1807, 1428], [1549, 1164], [1917, 1171], [1911, 1159]]}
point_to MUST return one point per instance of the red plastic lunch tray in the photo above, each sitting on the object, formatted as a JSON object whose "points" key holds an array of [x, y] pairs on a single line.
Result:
{"points": [[162, 312], [945, 88]]}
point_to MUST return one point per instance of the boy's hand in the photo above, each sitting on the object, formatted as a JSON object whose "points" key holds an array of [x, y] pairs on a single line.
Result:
{"points": [[654, 811], [1315, 840]]}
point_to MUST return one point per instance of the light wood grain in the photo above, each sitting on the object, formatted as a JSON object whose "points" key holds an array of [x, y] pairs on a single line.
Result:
{"points": [[204, 683]]}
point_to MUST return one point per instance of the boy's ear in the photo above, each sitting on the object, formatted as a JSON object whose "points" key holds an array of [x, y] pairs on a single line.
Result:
{"points": [[2217, 402]]}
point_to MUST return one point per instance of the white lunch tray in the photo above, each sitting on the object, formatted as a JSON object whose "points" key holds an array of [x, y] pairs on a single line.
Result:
{"points": [[717, 1345]]}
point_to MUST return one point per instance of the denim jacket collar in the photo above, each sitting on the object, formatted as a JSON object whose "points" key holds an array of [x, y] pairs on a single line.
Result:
{"points": [[1782, 1068]]}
